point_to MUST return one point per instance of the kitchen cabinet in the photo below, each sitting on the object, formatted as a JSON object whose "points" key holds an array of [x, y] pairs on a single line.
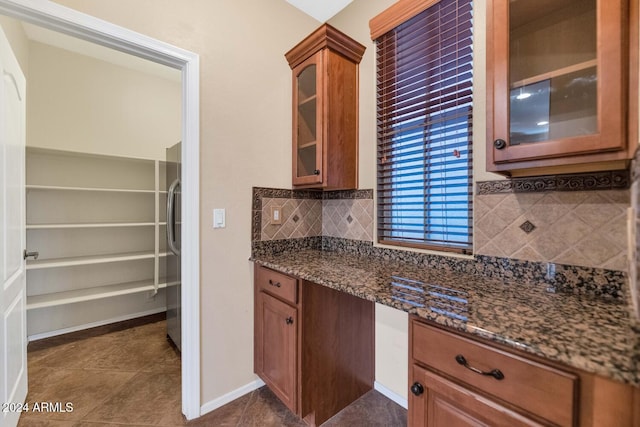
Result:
{"points": [[559, 97], [325, 110], [458, 380], [276, 334], [482, 382], [313, 346], [97, 223]]}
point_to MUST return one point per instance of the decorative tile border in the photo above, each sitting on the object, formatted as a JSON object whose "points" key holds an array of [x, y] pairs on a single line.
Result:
{"points": [[611, 180], [347, 194]]}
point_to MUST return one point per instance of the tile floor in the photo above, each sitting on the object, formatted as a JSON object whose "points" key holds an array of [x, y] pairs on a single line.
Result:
{"points": [[127, 374]]}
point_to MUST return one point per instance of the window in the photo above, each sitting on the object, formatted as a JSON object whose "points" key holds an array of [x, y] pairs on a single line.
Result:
{"points": [[424, 110]]}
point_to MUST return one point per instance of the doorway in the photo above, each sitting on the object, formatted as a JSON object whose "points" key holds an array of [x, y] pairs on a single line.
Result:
{"points": [[59, 18]]}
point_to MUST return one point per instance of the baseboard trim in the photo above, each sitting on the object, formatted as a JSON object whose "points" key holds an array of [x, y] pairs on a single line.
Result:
{"points": [[49, 334], [391, 395], [232, 395]]}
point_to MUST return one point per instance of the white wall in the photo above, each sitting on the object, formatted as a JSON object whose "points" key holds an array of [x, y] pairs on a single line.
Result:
{"points": [[79, 103]]}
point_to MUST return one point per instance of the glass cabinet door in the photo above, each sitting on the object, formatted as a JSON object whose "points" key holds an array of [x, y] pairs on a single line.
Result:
{"points": [[557, 78], [308, 125], [553, 73]]}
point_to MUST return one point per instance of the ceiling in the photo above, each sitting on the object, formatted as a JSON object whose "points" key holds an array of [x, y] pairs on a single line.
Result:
{"points": [[321, 10]]}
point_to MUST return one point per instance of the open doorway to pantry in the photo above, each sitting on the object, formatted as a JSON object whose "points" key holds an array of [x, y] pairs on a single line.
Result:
{"points": [[58, 18]]}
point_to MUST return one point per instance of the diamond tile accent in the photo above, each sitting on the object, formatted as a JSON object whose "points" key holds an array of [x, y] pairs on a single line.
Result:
{"points": [[583, 228], [295, 218], [527, 227], [349, 219]]}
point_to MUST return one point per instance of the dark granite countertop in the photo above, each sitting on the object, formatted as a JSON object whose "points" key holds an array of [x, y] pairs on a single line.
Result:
{"points": [[591, 334]]}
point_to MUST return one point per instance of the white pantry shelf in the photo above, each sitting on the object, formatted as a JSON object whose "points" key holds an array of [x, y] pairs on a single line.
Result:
{"points": [[90, 189], [90, 225], [87, 260], [83, 204], [88, 294]]}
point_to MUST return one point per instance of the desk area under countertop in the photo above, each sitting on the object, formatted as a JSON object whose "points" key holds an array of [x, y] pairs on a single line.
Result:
{"points": [[594, 334]]}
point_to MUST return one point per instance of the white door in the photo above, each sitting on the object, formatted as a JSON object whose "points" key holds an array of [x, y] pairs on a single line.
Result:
{"points": [[13, 331]]}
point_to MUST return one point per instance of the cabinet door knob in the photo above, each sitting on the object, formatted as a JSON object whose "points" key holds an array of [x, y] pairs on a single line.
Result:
{"points": [[495, 373], [316, 172], [276, 284], [289, 320], [417, 388], [500, 144]]}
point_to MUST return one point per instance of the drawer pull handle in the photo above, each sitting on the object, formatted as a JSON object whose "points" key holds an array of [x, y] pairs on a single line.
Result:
{"points": [[276, 284], [495, 373], [289, 320]]}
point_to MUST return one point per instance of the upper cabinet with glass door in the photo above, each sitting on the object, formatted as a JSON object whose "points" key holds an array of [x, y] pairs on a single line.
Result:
{"points": [[557, 80], [325, 110]]}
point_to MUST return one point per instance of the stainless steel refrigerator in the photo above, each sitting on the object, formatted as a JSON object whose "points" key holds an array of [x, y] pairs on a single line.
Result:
{"points": [[172, 260]]}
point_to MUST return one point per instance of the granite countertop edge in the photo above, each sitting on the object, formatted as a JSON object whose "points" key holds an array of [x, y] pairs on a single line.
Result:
{"points": [[610, 364]]}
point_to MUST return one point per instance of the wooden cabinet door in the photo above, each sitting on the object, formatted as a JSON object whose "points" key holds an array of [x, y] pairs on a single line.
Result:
{"points": [[276, 341], [308, 122], [556, 82], [437, 402]]}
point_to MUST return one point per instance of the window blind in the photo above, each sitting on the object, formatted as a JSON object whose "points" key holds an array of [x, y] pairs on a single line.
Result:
{"points": [[424, 111]]}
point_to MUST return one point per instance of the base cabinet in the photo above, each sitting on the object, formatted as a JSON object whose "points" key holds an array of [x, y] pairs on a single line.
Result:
{"points": [[457, 380], [277, 340], [313, 345]]}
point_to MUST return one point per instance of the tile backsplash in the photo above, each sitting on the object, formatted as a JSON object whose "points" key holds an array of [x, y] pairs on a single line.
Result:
{"points": [[300, 218], [576, 220], [343, 221], [343, 214], [348, 218], [585, 228]]}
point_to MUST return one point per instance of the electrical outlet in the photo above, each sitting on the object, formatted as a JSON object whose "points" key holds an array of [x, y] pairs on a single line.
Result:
{"points": [[276, 215]]}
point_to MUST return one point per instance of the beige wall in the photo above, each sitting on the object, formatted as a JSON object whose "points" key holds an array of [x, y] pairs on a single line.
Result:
{"points": [[245, 121], [79, 103], [18, 40]]}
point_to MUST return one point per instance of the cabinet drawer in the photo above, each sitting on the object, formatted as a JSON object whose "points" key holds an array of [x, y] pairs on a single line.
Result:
{"points": [[277, 284], [540, 390]]}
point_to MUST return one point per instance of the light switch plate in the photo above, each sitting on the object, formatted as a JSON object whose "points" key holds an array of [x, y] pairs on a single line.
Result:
{"points": [[276, 215], [219, 219]]}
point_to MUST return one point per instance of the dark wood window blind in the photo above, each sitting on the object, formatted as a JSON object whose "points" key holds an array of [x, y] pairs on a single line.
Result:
{"points": [[424, 111]]}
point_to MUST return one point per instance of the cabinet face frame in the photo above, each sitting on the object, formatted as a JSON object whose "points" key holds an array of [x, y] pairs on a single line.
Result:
{"points": [[609, 144], [318, 60]]}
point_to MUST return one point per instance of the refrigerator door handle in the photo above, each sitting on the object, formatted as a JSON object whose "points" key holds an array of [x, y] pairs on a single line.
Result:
{"points": [[171, 217]]}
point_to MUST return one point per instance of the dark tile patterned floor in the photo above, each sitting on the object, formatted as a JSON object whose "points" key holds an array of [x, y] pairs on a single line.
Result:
{"points": [[127, 374]]}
